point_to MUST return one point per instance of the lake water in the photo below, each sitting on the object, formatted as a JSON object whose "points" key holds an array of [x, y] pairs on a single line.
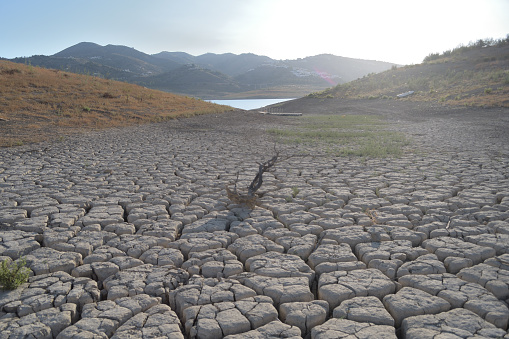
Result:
{"points": [[248, 104]]}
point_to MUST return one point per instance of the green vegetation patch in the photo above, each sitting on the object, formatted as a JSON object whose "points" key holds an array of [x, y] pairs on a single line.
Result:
{"points": [[13, 274], [358, 135]]}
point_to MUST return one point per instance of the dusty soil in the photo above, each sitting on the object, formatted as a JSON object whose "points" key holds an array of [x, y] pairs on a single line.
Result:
{"points": [[430, 125], [161, 187]]}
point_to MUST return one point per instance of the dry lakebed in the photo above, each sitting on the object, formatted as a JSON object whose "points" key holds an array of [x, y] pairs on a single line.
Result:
{"points": [[129, 232]]}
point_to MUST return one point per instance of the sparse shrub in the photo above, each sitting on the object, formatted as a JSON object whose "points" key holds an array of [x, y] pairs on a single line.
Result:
{"points": [[295, 191], [377, 192], [86, 109], [431, 57], [10, 71], [107, 95], [372, 215], [13, 274], [320, 95], [488, 90]]}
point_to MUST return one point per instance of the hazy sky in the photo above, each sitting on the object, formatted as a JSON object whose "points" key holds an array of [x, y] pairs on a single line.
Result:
{"points": [[402, 32]]}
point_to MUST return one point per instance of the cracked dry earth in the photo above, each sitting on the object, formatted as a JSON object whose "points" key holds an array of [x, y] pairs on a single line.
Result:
{"points": [[128, 233]]}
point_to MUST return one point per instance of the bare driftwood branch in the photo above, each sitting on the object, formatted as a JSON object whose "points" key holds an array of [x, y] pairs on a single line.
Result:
{"points": [[258, 180], [250, 198]]}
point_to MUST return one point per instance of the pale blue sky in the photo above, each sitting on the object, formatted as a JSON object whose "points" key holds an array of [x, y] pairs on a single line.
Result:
{"points": [[398, 31]]}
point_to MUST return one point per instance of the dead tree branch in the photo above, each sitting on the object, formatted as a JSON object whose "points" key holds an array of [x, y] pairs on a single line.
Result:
{"points": [[258, 180], [250, 198]]}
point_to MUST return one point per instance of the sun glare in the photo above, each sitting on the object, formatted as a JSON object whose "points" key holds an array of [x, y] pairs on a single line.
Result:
{"points": [[377, 30], [393, 30]]}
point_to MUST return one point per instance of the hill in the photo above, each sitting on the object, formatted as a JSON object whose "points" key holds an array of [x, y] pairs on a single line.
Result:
{"points": [[244, 75], [191, 78], [39, 104], [340, 69], [232, 64], [474, 75], [121, 57]]}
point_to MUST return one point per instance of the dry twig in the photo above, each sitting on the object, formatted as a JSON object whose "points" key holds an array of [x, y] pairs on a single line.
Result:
{"points": [[250, 198]]}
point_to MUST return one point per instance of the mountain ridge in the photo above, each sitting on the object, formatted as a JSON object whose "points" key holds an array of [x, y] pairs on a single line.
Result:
{"points": [[242, 73]]}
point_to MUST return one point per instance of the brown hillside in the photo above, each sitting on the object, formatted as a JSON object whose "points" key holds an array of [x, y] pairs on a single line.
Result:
{"points": [[39, 104], [474, 77]]}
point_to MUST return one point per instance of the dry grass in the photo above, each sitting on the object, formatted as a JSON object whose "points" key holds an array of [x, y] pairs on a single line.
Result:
{"points": [[39, 104], [477, 78], [345, 135], [242, 199]]}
